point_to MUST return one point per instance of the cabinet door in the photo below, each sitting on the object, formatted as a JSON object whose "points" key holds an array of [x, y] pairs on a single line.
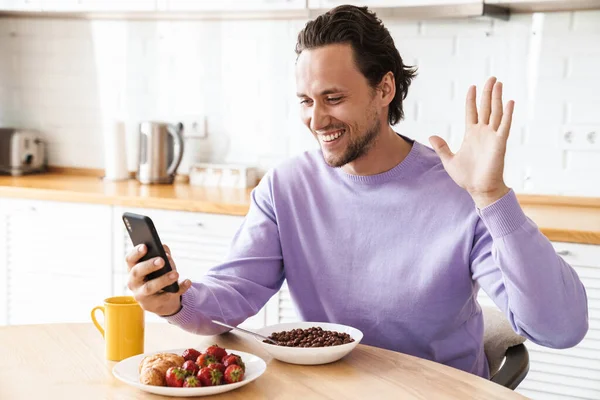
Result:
{"points": [[281, 308], [198, 242], [99, 5], [5, 209], [327, 4], [21, 5], [569, 373], [235, 5], [58, 261]]}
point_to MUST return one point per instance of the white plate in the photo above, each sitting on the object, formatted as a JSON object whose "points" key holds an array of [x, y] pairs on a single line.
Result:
{"points": [[310, 355], [127, 371]]}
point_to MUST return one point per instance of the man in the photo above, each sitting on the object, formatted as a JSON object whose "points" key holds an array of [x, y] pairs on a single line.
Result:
{"points": [[378, 231]]}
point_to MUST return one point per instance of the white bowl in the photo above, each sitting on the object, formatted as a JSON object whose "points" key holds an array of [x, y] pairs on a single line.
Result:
{"points": [[309, 355]]}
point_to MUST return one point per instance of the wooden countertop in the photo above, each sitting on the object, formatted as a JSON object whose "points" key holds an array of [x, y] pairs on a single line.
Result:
{"points": [[92, 189], [563, 218], [560, 218], [66, 361]]}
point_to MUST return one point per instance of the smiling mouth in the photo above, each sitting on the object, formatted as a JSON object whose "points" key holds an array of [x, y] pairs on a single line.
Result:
{"points": [[332, 136]]}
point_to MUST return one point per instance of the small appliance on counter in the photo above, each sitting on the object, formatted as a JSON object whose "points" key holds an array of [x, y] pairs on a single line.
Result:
{"points": [[223, 175], [161, 150], [22, 151]]}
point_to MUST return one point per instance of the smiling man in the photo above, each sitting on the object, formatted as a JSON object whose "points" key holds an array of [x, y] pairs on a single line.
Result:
{"points": [[378, 231]]}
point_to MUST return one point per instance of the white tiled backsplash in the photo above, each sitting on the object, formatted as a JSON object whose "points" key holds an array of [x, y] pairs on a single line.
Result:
{"points": [[72, 78]]}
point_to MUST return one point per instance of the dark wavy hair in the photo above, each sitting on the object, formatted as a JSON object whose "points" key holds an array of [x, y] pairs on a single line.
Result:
{"points": [[373, 47]]}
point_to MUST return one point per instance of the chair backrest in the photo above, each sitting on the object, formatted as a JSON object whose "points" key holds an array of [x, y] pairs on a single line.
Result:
{"points": [[501, 343]]}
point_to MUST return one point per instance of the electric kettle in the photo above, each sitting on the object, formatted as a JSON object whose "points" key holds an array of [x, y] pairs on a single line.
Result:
{"points": [[161, 150]]}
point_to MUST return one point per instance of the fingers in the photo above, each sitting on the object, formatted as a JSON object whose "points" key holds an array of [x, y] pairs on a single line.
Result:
{"points": [[184, 286], [486, 101], [496, 116], [139, 271], [441, 148], [471, 106], [155, 285], [134, 255], [504, 128]]}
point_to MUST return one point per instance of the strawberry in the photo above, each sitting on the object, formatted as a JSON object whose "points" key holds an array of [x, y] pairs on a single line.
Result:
{"points": [[217, 366], [191, 367], [233, 373], [192, 381], [190, 354], [175, 377], [210, 376], [205, 360], [234, 359], [217, 352]]}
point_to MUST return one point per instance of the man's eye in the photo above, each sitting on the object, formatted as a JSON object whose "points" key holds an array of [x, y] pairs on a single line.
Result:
{"points": [[305, 101], [334, 99]]}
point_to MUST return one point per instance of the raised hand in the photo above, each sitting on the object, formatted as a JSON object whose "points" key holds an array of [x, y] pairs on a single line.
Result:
{"points": [[478, 166]]}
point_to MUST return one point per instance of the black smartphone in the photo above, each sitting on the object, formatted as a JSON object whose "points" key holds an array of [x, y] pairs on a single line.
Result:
{"points": [[142, 231]]}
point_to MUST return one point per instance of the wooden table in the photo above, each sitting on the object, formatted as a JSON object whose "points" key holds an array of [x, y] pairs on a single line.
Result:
{"points": [[66, 361]]}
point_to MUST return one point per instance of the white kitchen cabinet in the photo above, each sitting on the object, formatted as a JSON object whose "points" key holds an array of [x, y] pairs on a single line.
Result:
{"points": [[281, 308], [568, 374], [99, 5], [5, 209], [531, 6], [57, 260], [235, 5], [198, 242], [326, 4], [21, 5]]}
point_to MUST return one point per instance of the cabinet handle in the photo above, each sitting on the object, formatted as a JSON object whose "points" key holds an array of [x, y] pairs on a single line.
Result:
{"points": [[27, 209], [563, 252]]}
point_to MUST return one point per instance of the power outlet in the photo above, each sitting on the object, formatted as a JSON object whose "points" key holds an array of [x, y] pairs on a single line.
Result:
{"points": [[194, 126], [580, 137]]}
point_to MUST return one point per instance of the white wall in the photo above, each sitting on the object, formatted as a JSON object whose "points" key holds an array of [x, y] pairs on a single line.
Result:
{"points": [[70, 78]]}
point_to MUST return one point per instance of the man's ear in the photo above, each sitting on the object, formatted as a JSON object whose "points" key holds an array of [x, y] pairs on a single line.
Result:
{"points": [[387, 87]]}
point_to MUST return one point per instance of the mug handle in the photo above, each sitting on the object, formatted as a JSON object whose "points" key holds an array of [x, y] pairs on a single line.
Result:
{"points": [[101, 308]]}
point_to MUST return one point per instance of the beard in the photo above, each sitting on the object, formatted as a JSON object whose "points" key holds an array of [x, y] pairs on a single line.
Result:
{"points": [[357, 147]]}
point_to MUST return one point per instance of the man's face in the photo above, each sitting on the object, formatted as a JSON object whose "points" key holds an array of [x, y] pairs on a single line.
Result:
{"points": [[337, 103]]}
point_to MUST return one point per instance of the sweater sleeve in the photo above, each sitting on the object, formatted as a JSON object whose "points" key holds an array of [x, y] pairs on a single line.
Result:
{"points": [[252, 273], [517, 266]]}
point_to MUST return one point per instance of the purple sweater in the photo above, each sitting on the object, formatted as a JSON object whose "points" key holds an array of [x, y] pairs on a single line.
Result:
{"points": [[400, 255]]}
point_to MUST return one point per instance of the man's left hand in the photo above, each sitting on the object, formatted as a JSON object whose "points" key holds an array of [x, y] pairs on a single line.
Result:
{"points": [[478, 166]]}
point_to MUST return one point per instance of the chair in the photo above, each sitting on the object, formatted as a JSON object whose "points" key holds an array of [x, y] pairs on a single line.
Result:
{"points": [[500, 344]]}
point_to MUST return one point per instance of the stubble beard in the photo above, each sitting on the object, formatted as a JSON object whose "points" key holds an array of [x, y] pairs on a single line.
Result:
{"points": [[356, 148]]}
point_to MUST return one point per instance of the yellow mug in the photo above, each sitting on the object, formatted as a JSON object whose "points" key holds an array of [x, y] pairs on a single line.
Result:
{"points": [[123, 330]]}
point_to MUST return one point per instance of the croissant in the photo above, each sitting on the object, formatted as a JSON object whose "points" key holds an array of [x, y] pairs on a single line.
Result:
{"points": [[153, 368]]}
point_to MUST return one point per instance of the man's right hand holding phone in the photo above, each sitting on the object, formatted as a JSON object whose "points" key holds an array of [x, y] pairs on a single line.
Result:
{"points": [[148, 293]]}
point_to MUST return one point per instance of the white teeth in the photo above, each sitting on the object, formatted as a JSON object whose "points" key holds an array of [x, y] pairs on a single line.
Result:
{"points": [[329, 138]]}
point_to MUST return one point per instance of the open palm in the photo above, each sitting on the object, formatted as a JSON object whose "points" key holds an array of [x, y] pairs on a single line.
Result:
{"points": [[478, 166]]}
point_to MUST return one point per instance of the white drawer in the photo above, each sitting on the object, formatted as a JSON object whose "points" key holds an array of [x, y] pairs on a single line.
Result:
{"points": [[579, 254]]}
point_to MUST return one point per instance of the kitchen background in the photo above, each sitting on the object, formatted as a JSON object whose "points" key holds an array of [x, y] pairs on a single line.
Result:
{"points": [[232, 82]]}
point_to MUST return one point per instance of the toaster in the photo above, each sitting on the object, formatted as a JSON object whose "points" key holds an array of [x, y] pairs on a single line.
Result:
{"points": [[22, 151]]}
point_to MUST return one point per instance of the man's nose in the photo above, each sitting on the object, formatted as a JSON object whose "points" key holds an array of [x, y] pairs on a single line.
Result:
{"points": [[319, 118]]}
